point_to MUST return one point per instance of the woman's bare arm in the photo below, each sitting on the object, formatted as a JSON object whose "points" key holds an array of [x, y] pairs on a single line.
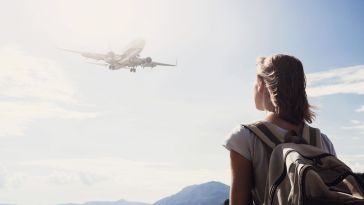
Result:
{"points": [[241, 179]]}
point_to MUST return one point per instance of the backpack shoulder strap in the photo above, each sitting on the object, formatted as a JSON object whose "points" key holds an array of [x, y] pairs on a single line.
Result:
{"points": [[264, 133], [312, 135], [271, 138]]}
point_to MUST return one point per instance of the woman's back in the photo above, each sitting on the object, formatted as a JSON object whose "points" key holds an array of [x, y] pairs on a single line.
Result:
{"points": [[280, 91], [244, 142]]}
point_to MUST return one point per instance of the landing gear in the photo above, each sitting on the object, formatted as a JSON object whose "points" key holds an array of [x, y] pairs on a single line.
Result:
{"points": [[112, 67]]}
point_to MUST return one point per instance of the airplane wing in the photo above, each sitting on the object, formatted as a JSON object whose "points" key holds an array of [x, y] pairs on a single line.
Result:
{"points": [[100, 64], [162, 64], [153, 64], [96, 56]]}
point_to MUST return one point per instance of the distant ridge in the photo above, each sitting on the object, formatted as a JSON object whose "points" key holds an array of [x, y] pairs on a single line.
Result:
{"points": [[119, 202], [209, 193]]}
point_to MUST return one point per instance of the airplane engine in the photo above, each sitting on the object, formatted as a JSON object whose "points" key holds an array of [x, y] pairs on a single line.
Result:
{"points": [[148, 60]]}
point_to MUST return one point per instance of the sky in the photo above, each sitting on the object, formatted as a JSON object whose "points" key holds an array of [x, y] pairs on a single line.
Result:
{"points": [[71, 131]]}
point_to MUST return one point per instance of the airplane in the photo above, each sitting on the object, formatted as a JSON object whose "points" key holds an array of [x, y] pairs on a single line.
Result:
{"points": [[128, 59]]}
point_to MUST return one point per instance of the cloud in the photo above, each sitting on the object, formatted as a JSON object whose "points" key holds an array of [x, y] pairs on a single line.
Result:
{"points": [[25, 76], [33, 88], [2, 177], [361, 109], [100, 178], [356, 125], [64, 178], [9, 178], [347, 80], [89, 170]]}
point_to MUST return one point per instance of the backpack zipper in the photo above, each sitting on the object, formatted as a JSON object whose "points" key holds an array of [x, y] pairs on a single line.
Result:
{"points": [[275, 185]]}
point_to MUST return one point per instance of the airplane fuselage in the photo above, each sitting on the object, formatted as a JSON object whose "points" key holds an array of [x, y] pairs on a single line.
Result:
{"points": [[128, 59]]}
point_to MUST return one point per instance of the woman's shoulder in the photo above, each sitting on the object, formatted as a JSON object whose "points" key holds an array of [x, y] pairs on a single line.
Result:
{"points": [[241, 140], [327, 145], [240, 130], [240, 133]]}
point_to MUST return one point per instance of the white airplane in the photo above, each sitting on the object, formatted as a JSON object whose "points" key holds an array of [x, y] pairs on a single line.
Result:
{"points": [[128, 59]]}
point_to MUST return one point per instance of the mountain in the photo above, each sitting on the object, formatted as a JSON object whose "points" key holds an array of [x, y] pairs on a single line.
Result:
{"points": [[210, 193], [119, 202]]}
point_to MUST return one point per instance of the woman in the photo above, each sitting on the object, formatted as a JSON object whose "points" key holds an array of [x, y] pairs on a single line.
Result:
{"points": [[280, 91]]}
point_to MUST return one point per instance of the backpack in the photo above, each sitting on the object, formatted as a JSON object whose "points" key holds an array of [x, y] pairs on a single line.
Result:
{"points": [[301, 173]]}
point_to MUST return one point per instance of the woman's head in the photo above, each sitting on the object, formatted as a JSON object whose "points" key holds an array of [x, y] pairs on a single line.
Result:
{"points": [[281, 88]]}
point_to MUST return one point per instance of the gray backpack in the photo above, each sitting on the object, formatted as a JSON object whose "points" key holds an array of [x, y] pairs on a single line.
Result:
{"points": [[301, 173]]}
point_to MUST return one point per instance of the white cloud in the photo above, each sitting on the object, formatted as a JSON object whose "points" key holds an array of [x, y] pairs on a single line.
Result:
{"points": [[25, 76], [355, 122], [10, 178], [33, 88], [2, 177], [347, 80], [356, 125], [361, 109], [101, 178], [64, 178], [17, 116]]}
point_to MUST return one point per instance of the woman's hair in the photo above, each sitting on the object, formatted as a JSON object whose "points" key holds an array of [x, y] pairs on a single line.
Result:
{"points": [[285, 81]]}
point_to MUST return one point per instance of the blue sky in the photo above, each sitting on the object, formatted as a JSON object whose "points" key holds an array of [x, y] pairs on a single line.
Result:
{"points": [[89, 133]]}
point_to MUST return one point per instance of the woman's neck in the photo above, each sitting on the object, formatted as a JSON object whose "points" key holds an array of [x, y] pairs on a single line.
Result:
{"points": [[274, 118]]}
